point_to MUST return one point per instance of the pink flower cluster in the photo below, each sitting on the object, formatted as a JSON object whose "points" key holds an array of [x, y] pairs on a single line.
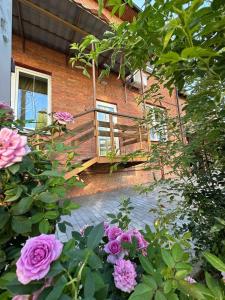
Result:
{"points": [[63, 117], [124, 270], [13, 147], [116, 237], [6, 113], [36, 257]]}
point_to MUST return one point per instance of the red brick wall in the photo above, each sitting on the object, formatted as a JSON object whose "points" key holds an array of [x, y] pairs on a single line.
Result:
{"points": [[71, 91]]}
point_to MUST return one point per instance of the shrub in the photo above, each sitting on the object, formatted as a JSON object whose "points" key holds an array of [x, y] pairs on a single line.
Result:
{"points": [[159, 270], [31, 183]]}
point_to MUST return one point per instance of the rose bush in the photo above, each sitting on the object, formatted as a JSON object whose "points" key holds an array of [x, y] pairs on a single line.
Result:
{"points": [[82, 271], [31, 183]]}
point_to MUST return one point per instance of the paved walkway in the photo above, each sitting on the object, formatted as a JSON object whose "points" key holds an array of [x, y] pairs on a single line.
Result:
{"points": [[94, 209]]}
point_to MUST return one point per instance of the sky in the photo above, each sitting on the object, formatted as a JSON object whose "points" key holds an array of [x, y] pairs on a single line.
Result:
{"points": [[139, 2]]}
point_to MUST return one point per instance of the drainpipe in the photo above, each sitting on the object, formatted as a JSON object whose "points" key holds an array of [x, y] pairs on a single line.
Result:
{"points": [[5, 50], [179, 116], [93, 78], [94, 104]]}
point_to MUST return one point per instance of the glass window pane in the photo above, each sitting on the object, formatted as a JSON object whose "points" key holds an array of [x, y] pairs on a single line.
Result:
{"points": [[32, 100]]}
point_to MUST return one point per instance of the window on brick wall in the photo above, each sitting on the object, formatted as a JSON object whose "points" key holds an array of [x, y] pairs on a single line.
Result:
{"points": [[157, 117], [31, 97]]}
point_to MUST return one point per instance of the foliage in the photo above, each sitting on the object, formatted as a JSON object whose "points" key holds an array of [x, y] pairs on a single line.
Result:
{"points": [[122, 219], [82, 271], [31, 191], [184, 43]]}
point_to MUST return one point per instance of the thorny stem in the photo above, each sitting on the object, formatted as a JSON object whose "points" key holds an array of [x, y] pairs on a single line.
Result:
{"points": [[77, 279]]}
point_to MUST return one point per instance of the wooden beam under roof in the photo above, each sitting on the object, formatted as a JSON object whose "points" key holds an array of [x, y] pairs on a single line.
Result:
{"points": [[53, 16], [21, 24]]}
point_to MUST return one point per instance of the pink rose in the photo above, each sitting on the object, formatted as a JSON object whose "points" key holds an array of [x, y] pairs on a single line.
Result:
{"points": [[125, 237], [63, 117], [124, 275], [13, 147], [142, 243], [113, 232], [36, 256], [113, 247]]}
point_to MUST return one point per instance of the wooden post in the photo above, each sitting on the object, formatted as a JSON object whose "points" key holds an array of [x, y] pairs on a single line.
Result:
{"points": [[140, 136], [97, 149], [144, 104], [111, 132]]}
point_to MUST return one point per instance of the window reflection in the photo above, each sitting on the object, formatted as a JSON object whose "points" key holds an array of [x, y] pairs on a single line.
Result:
{"points": [[32, 100]]}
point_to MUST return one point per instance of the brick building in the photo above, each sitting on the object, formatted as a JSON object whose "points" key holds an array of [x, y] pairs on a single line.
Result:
{"points": [[44, 80]]}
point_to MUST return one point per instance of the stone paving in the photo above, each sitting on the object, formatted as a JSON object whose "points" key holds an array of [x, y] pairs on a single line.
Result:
{"points": [[94, 209]]}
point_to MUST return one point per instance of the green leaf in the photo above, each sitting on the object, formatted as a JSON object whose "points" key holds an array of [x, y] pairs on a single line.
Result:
{"points": [[168, 37], [89, 285], [22, 206], [146, 265], [85, 73], [170, 57], [51, 173], [177, 252], [37, 218], [48, 197], [13, 194], [150, 281], [184, 266], [168, 259], [95, 236], [6, 278], [159, 295], [44, 226], [122, 10], [52, 214], [213, 286], [94, 261], [181, 274], [197, 291], [215, 261], [21, 224], [14, 168], [196, 52], [168, 286], [100, 7], [56, 268], [17, 288], [58, 288], [142, 291], [4, 216]]}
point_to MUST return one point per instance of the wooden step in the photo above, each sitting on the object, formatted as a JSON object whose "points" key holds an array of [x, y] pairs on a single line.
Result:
{"points": [[83, 167]]}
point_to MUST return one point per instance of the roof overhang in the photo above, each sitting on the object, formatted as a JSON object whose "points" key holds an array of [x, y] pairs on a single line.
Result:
{"points": [[57, 24]]}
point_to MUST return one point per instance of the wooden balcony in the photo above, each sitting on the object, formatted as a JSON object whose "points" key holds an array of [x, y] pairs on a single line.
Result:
{"points": [[103, 143]]}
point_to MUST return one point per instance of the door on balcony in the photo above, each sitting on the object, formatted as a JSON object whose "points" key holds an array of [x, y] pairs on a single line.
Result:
{"points": [[104, 142]]}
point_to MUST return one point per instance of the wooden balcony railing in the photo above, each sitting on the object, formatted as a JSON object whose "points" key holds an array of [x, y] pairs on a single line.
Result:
{"points": [[121, 133]]}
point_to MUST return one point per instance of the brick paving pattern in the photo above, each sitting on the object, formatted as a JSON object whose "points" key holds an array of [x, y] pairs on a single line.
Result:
{"points": [[94, 209]]}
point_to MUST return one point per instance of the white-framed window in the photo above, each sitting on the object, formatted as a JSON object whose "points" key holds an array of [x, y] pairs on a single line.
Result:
{"points": [[104, 141], [31, 97], [157, 117]]}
